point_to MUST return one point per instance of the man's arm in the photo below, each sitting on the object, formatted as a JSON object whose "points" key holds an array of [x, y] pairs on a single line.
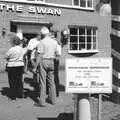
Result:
{"points": [[8, 54], [38, 55], [58, 50], [33, 58]]}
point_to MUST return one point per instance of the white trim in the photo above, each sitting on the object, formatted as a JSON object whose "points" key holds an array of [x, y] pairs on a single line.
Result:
{"points": [[80, 6], [115, 18], [115, 32], [83, 51], [96, 39], [116, 88], [30, 21], [72, 2], [34, 0], [116, 74], [50, 4], [116, 54]]}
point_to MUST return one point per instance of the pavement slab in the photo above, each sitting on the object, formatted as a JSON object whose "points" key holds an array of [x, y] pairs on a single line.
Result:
{"points": [[24, 109]]}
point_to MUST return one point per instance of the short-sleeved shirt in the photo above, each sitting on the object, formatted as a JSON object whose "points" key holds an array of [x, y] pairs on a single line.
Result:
{"points": [[15, 56], [48, 47], [32, 44], [33, 54]]}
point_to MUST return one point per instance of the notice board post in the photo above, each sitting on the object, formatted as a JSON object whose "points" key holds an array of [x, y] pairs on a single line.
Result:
{"points": [[84, 76]]}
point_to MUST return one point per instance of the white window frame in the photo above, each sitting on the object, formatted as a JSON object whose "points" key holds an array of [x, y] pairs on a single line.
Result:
{"points": [[84, 50], [81, 6], [35, 0]]}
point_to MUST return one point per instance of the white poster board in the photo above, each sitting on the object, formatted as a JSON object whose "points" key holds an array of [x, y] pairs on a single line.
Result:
{"points": [[89, 75]]}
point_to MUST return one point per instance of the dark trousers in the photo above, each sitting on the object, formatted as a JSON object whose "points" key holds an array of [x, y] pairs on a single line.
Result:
{"points": [[56, 74], [15, 76], [29, 63], [36, 84]]}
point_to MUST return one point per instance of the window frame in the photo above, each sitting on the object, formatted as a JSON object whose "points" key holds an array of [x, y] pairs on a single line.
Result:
{"points": [[92, 50], [78, 6], [35, 0]]}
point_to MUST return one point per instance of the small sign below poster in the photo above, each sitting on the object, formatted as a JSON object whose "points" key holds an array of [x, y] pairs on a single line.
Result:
{"points": [[89, 75]]}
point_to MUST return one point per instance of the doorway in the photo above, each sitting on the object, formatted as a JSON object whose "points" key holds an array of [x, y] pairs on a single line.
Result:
{"points": [[29, 30], [29, 35]]}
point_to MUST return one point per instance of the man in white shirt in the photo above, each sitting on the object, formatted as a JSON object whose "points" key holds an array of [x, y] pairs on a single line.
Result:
{"points": [[31, 46], [33, 42], [47, 50], [31, 49]]}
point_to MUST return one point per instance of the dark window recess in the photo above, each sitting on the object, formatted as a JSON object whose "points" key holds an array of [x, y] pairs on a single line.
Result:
{"points": [[29, 35], [13, 28]]}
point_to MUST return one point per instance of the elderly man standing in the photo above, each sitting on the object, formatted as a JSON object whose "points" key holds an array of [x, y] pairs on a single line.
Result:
{"points": [[47, 50]]}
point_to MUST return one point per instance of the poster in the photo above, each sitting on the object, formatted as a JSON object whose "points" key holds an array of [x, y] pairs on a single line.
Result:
{"points": [[89, 75]]}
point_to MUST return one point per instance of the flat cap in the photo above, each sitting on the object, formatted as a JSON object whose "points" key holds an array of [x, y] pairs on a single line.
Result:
{"points": [[44, 30]]}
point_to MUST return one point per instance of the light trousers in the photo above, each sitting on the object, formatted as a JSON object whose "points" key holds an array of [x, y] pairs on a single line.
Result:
{"points": [[46, 73]]}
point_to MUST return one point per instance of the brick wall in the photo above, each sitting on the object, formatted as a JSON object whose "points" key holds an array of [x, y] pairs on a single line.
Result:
{"points": [[67, 17]]}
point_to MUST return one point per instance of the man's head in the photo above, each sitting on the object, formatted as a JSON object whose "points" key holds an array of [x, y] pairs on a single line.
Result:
{"points": [[44, 31], [15, 40], [38, 35]]}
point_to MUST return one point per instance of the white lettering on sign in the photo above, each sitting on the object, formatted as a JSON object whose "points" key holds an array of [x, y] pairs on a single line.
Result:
{"points": [[31, 9], [50, 11], [41, 10], [57, 11], [2, 6], [10, 7], [19, 8]]}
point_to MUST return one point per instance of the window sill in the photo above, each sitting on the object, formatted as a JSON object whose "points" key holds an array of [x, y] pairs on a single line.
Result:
{"points": [[85, 8], [84, 51]]}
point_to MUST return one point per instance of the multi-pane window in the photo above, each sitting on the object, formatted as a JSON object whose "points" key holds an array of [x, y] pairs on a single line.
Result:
{"points": [[83, 38], [83, 3]]}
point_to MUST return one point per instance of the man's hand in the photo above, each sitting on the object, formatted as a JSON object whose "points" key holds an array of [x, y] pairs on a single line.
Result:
{"points": [[34, 70]]}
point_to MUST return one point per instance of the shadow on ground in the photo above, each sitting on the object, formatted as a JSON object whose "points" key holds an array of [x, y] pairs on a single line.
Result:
{"points": [[5, 91], [31, 93], [113, 97], [62, 116], [11, 94], [33, 83]]}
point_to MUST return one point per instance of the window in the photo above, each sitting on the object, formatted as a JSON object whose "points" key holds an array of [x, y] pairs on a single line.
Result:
{"points": [[82, 39], [83, 3]]}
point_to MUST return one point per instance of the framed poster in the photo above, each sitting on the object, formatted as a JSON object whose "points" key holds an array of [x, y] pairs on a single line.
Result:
{"points": [[89, 75]]}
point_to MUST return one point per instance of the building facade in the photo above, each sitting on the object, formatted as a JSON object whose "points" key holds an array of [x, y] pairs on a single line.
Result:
{"points": [[89, 32]]}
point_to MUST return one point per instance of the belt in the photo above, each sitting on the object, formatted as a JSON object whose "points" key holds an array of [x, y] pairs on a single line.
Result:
{"points": [[48, 58]]}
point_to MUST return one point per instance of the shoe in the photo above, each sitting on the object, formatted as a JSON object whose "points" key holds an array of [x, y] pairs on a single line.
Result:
{"points": [[40, 105], [50, 101], [21, 96]]}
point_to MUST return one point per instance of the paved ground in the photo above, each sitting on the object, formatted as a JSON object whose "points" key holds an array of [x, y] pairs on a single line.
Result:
{"points": [[24, 109]]}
